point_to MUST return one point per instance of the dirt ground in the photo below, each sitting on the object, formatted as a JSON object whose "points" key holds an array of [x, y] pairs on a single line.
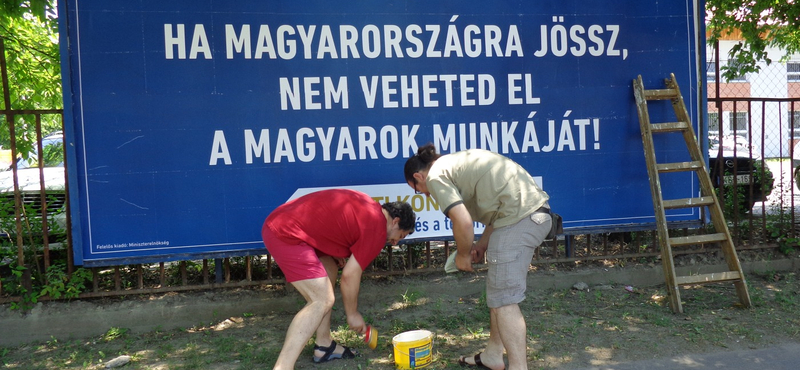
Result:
{"points": [[618, 314]]}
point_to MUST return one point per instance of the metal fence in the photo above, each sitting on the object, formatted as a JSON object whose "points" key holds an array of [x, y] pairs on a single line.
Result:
{"points": [[36, 265], [754, 126]]}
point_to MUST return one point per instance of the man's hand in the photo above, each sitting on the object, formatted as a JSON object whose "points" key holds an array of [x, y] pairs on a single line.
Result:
{"points": [[356, 323], [478, 253], [479, 248], [464, 262]]}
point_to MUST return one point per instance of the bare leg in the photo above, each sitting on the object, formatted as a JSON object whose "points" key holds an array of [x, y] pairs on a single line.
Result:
{"points": [[510, 325], [492, 355], [319, 297], [324, 338]]}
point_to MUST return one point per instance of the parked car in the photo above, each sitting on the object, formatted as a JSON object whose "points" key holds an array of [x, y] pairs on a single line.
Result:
{"points": [[737, 162], [30, 186]]}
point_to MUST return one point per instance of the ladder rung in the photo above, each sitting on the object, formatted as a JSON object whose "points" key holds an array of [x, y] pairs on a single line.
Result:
{"points": [[660, 94], [680, 166], [708, 278], [669, 127], [698, 239], [688, 202]]}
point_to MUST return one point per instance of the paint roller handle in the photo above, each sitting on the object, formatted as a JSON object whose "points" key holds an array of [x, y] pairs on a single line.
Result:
{"points": [[371, 337]]}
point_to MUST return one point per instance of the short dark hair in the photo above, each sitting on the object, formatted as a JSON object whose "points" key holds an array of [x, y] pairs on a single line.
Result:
{"points": [[404, 211]]}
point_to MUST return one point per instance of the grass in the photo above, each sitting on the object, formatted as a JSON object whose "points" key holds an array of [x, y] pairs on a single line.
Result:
{"points": [[566, 329]]}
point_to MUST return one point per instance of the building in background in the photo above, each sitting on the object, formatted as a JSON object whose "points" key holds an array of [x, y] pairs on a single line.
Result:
{"points": [[771, 128]]}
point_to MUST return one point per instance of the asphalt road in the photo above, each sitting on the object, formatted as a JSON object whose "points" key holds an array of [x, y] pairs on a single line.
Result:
{"points": [[781, 357]]}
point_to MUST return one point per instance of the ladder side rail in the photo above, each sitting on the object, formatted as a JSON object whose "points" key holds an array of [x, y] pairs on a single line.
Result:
{"points": [[716, 214], [668, 264], [706, 186]]}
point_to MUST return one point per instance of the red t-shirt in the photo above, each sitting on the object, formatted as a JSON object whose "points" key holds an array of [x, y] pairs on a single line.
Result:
{"points": [[336, 222]]}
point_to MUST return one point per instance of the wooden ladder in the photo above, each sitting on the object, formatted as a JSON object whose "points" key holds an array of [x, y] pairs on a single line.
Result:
{"points": [[708, 197]]}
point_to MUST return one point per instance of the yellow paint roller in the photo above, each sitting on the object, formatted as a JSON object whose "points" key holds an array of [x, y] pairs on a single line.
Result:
{"points": [[371, 337]]}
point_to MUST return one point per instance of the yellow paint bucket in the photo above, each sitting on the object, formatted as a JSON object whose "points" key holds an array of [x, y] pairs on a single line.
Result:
{"points": [[413, 349]]}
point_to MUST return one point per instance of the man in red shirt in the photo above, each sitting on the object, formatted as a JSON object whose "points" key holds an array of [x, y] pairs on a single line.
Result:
{"points": [[309, 238]]}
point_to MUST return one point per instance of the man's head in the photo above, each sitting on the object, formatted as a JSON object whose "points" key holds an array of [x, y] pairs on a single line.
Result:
{"points": [[417, 166], [401, 221]]}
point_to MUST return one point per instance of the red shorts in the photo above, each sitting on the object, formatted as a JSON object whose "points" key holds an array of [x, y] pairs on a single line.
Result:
{"points": [[296, 261]]}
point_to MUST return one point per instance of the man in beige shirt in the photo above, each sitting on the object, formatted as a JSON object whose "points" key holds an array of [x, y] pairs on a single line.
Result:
{"points": [[479, 185]]}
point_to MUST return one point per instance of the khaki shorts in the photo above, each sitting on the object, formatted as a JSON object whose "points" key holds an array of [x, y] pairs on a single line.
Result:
{"points": [[509, 255]]}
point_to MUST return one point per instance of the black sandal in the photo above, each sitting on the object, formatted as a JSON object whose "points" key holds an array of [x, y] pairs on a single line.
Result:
{"points": [[477, 359], [329, 355]]}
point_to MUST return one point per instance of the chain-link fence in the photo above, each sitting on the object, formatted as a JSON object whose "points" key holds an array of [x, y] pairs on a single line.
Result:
{"points": [[753, 135]]}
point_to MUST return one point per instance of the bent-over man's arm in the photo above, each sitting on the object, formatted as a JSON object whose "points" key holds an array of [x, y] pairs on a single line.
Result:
{"points": [[349, 286], [464, 234]]}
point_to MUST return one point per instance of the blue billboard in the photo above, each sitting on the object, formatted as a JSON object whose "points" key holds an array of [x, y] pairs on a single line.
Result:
{"points": [[188, 122]]}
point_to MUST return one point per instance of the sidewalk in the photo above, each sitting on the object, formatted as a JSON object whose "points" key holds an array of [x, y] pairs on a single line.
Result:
{"points": [[781, 357]]}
